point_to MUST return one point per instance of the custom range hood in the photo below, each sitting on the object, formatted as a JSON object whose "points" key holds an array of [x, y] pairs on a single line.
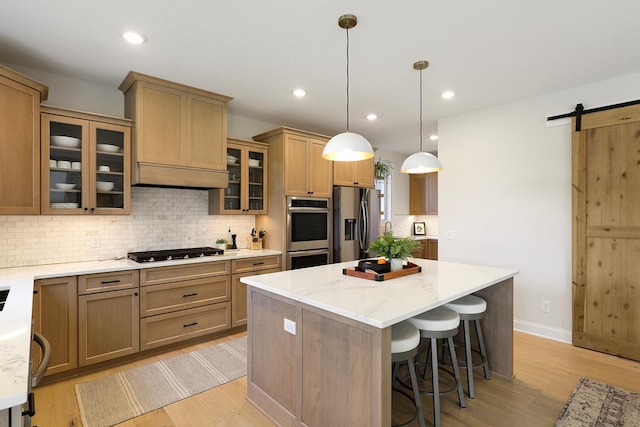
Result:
{"points": [[179, 134]]}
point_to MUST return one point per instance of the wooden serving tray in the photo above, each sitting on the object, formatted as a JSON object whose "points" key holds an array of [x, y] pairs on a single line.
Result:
{"points": [[357, 271]]}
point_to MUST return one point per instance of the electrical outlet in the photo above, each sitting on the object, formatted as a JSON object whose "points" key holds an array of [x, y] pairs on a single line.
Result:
{"points": [[546, 306], [290, 326], [451, 235], [95, 243]]}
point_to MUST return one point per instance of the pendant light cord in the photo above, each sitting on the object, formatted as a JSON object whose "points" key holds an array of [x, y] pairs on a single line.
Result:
{"points": [[421, 110], [347, 79]]}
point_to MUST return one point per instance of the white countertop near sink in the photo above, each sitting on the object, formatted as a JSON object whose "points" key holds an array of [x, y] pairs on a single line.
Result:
{"points": [[15, 318]]}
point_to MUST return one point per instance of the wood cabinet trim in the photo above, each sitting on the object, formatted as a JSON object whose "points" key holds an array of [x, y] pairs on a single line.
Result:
{"points": [[134, 76]]}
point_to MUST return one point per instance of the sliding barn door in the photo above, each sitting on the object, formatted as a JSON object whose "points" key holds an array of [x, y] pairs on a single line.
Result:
{"points": [[606, 232]]}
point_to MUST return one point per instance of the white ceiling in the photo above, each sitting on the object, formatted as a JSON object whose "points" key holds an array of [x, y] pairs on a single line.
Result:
{"points": [[257, 51]]}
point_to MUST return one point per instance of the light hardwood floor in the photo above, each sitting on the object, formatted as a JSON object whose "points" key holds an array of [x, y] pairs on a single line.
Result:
{"points": [[546, 373]]}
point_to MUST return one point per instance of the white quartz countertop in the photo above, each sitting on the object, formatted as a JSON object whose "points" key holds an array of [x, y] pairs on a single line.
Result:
{"points": [[15, 318], [380, 304]]}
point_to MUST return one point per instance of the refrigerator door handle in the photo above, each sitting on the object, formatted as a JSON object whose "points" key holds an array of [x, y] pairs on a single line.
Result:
{"points": [[364, 225]]}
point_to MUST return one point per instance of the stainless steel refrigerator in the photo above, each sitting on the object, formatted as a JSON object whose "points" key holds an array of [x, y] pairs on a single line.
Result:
{"points": [[356, 222]]}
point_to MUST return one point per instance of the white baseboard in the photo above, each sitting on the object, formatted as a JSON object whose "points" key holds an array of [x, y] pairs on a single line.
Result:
{"points": [[552, 333]]}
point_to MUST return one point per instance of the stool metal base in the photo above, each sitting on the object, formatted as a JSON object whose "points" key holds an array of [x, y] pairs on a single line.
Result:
{"points": [[408, 357], [465, 318], [433, 336]]}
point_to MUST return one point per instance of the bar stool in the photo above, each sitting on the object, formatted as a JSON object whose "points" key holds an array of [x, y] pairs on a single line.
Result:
{"points": [[405, 339], [473, 308], [440, 323]]}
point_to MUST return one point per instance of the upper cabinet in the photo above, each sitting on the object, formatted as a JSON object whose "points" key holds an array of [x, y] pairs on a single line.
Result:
{"points": [[20, 99], [85, 163], [423, 194], [247, 190], [180, 135], [296, 157], [354, 174]]}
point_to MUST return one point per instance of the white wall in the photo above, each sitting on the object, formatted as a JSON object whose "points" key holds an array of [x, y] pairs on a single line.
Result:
{"points": [[505, 191]]}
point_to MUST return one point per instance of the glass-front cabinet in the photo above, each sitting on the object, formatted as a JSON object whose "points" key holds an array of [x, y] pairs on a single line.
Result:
{"points": [[85, 163], [247, 189]]}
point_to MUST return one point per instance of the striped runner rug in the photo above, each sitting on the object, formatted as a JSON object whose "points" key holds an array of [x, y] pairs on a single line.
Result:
{"points": [[111, 400]]}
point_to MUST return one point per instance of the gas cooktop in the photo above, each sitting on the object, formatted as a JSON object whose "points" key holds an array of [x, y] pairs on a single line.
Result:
{"points": [[173, 254]]}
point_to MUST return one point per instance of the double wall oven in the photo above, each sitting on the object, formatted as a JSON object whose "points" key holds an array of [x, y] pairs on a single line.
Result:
{"points": [[308, 231]]}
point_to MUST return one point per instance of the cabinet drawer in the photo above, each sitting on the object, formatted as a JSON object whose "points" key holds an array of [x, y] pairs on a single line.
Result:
{"points": [[158, 299], [252, 264], [101, 282], [157, 275], [169, 328]]}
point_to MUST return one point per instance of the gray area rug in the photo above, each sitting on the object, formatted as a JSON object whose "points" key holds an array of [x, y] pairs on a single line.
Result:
{"points": [[593, 403], [111, 400]]}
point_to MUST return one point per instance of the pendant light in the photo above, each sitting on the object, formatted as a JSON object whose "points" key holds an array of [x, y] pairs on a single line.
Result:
{"points": [[421, 162], [347, 146]]}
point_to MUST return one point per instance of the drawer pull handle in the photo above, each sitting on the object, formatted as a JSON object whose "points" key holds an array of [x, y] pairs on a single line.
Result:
{"points": [[190, 295], [108, 282], [258, 263], [190, 324]]}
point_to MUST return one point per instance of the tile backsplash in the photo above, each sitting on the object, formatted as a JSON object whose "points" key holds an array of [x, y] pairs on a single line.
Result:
{"points": [[161, 218]]}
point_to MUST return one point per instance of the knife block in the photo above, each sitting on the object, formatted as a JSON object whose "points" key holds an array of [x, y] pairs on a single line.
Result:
{"points": [[254, 245]]}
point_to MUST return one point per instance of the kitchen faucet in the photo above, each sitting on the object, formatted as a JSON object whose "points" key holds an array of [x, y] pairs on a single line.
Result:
{"points": [[388, 223]]}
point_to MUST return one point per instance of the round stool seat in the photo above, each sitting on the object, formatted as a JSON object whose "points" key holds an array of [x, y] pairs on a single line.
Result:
{"points": [[404, 337], [439, 319], [469, 304]]}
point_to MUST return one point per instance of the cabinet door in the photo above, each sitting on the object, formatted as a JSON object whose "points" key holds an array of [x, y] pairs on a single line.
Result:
{"points": [[256, 181], [109, 164], [295, 172], [206, 133], [232, 197], [65, 165], [364, 173], [108, 325], [423, 194], [239, 296], [20, 147], [343, 174], [320, 170], [432, 249], [55, 316], [161, 125]]}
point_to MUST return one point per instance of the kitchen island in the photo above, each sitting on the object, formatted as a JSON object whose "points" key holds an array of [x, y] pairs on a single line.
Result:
{"points": [[319, 342]]}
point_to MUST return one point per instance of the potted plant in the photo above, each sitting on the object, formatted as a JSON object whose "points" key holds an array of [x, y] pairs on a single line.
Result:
{"points": [[221, 243], [394, 249], [382, 168]]}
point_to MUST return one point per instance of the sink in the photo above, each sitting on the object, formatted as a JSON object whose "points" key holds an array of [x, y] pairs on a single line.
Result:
{"points": [[4, 295]]}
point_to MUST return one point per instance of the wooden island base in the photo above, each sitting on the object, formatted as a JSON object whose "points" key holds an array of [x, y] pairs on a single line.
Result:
{"points": [[335, 370]]}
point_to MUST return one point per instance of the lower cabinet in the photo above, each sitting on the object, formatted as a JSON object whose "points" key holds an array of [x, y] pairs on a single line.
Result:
{"points": [[94, 318], [55, 316], [182, 302], [108, 316], [428, 249], [243, 268]]}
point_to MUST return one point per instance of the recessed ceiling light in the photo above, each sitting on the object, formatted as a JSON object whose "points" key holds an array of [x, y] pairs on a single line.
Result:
{"points": [[433, 137], [371, 117], [299, 92], [134, 38], [448, 94]]}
